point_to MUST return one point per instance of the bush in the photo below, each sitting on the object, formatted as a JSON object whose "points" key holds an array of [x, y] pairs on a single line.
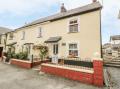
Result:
{"points": [[16, 56], [23, 55]]}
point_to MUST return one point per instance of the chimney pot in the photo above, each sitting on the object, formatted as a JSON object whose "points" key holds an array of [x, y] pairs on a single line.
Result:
{"points": [[63, 9], [94, 1]]}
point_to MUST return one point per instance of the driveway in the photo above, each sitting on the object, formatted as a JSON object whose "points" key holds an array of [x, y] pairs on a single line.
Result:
{"points": [[12, 77]]}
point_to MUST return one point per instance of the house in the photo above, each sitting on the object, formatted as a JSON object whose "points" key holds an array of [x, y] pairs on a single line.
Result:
{"points": [[107, 49], [115, 44], [3, 37], [75, 32]]}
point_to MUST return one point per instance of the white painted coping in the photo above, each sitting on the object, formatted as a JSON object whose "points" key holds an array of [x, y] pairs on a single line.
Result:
{"points": [[69, 68], [21, 60]]}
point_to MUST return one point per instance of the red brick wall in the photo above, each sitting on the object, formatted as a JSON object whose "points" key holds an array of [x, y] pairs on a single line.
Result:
{"points": [[21, 64], [27, 65], [98, 72], [95, 78], [74, 75], [39, 62]]}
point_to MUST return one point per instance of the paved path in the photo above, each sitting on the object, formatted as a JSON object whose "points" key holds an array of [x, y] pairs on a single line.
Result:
{"points": [[115, 74], [12, 77]]}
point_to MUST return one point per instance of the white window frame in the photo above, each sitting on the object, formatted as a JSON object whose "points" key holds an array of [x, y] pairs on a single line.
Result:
{"points": [[78, 48], [39, 32], [78, 22], [23, 35], [11, 37]]}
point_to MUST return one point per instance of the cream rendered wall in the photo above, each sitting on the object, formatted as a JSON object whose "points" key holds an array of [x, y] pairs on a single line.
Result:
{"points": [[88, 37]]}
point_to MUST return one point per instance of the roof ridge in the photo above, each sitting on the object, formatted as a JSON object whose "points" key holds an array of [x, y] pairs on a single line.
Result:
{"points": [[91, 6]]}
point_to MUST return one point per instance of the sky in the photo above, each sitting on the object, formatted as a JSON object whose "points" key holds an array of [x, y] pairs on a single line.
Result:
{"points": [[15, 13]]}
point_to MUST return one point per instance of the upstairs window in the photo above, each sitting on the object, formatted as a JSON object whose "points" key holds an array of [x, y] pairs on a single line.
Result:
{"points": [[39, 32], [23, 35], [11, 36], [73, 26]]}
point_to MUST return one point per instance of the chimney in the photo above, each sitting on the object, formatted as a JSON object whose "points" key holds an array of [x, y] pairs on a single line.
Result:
{"points": [[94, 1], [63, 9]]}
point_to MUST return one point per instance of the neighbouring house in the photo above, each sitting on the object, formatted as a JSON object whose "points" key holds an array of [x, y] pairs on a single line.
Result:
{"points": [[70, 33], [106, 49], [3, 39], [115, 45]]}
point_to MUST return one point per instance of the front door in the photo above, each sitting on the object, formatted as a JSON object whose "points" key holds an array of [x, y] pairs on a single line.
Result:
{"points": [[1, 50], [55, 54], [55, 49]]}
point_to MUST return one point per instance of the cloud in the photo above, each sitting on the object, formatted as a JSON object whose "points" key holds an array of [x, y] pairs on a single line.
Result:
{"points": [[15, 13], [23, 7]]}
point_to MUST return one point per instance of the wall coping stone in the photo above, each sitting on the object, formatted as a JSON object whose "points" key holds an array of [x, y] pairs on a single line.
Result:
{"points": [[69, 68], [21, 60]]}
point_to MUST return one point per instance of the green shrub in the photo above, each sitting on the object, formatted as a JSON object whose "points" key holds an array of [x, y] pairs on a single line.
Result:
{"points": [[23, 55]]}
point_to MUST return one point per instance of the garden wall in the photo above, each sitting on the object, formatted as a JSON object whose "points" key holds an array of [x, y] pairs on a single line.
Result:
{"points": [[26, 64], [94, 77]]}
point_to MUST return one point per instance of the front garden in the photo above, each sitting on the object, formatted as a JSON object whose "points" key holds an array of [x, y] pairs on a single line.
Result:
{"points": [[26, 60]]}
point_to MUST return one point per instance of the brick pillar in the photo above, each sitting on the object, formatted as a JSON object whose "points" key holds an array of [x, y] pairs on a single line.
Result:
{"points": [[98, 72]]}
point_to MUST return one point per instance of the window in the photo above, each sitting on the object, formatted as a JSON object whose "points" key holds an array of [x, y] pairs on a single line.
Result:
{"points": [[39, 32], [55, 49], [23, 35], [0, 39], [11, 36], [73, 26], [73, 49]]}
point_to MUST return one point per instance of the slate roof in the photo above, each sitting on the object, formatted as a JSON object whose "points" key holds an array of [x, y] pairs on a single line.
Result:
{"points": [[116, 37], [80, 10], [4, 30], [53, 39]]}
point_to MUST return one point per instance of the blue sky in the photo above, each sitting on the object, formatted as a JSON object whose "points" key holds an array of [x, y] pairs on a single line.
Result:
{"points": [[15, 13]]}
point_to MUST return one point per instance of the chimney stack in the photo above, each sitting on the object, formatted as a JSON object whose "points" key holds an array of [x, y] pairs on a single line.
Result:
{"points": [[63, 9], [94, 1]]}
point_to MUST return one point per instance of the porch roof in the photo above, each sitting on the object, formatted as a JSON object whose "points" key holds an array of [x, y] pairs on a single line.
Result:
{"points": [[53, 39], [11, 44], [28, 43]]}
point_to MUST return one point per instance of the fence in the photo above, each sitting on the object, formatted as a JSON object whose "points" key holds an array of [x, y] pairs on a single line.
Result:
{"points": [[75, 62]]}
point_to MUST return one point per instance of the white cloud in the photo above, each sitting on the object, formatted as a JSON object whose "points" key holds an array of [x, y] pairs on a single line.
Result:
{"points": [[22, 7]]}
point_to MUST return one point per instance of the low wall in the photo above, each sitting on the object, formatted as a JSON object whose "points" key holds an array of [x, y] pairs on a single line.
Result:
{"points": [[35, 63], [81, 75], [94, 77], [21, 63], [26, 64]]}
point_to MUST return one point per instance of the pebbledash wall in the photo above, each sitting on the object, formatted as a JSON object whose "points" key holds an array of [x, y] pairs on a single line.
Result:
{"points": [[94, 77]]}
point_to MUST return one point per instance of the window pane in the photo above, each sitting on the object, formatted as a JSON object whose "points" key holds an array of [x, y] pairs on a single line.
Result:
{"points": [[73, 52], [39, 32], [72, 46], [73, 28]]}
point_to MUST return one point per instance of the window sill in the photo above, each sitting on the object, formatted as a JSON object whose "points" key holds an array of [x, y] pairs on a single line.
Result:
{"points": [[39, 37], [72, 32]]}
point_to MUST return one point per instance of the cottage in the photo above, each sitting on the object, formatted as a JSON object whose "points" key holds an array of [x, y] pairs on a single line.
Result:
{"points": [[3, 39], [70, 33]]}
